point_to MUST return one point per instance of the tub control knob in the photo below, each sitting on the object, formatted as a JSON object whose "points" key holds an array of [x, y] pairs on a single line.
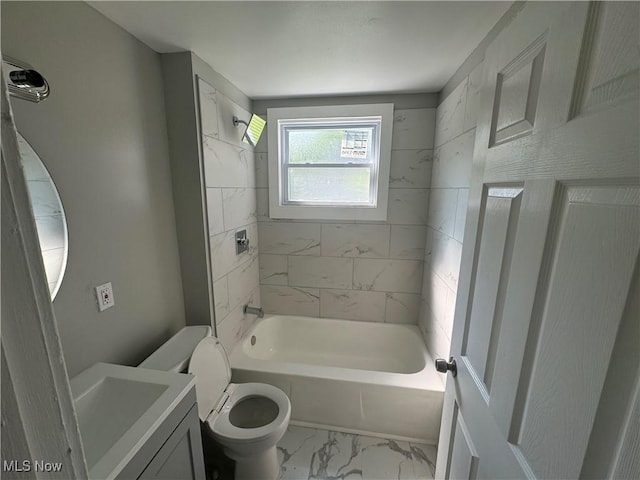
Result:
{"points": [[443, 366]]}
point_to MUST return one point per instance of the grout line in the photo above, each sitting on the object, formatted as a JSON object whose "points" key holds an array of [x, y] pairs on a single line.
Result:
{"points": [[466, 100], [418, 294], [343, 257], [412, 149], [288, 268], [353, 274]]}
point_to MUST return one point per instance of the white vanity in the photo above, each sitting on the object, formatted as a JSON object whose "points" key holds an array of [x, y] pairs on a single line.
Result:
{"points": [[138, 423]]}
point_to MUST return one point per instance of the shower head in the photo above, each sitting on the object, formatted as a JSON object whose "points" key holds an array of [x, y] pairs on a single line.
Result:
{"points": [[254, 129], [23, 81]]}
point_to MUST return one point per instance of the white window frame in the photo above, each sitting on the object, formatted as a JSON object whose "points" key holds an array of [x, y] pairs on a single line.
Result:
{"points": [[278, 208]]}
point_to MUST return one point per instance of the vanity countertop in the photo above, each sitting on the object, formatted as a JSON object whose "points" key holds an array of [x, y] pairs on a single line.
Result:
{"points": [[119, 408]]}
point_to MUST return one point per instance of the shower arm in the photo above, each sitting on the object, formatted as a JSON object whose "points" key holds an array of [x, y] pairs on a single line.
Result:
{"points": [[236, 121]]}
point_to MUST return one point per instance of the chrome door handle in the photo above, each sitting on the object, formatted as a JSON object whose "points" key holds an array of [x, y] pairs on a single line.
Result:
{"points": [[443, 366]]}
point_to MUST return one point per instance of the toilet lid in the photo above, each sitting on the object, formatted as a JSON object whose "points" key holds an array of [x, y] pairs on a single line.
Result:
{"points": [[210, 364]]}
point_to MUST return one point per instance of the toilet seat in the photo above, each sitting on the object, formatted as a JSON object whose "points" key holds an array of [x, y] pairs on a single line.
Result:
{"points": [[217, 397], [221, 426]]}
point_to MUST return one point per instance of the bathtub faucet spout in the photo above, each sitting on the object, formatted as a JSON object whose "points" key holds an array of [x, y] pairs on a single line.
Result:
{"points": [[253, 311]]}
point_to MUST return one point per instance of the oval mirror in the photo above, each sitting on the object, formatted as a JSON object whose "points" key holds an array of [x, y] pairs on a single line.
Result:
{"points": [[49, 215]]}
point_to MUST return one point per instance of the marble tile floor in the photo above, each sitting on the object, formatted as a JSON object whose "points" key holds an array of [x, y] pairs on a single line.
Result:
{"points": [[313, 454]]}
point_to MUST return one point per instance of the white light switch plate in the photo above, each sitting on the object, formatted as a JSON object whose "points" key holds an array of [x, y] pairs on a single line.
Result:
{"points": [[104, 293]]}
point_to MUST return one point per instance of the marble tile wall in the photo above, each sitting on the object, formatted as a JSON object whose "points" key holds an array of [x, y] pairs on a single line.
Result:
{"points": [[368, 271], [229, 170], [449, 189]]}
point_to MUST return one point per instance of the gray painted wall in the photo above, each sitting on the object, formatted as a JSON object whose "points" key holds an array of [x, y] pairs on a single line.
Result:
{"points": [[186, 175], [102, 134], [220, 83], [476, 57]]}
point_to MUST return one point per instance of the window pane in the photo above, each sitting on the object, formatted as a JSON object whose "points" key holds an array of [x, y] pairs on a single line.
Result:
{"points": [[330, 145], [325, 184]]}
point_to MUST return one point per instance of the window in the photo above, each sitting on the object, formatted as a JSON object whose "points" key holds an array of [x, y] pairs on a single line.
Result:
{"points": [[329, 162]]}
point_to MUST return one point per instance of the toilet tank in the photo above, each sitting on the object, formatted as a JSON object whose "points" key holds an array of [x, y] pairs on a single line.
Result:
{"points": [[174, 354]]}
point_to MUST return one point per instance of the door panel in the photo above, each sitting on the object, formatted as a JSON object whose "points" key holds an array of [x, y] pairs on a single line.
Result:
{"points": [[517, 90], [531, 237], [498, 227], [580, 305], [551, 248], [181, 456], [627, 454], [464, 460], [617, 418], [609, 70]]}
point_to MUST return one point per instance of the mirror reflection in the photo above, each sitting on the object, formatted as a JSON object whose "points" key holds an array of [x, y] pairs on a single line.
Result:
{"points": [[49, 215]]}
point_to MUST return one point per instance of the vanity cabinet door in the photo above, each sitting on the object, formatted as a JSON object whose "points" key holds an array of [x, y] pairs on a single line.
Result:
{"points": [[181, 455]]}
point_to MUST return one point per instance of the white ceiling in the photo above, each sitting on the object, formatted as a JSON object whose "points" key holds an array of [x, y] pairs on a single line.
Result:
{"points": [[294, 49]]}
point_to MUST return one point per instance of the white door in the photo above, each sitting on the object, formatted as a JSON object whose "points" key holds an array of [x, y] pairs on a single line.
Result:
{"points": [[546, 334]]}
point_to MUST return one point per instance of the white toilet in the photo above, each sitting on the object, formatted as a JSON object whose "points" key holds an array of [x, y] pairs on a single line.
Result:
{"points": [[247, 419]]}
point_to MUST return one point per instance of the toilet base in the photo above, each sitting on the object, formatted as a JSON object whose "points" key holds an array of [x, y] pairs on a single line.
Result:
{"points": [[263, 466]]}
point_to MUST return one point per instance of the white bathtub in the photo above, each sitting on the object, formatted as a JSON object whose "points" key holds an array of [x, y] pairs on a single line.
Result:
{"points": [[361, 377]]}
